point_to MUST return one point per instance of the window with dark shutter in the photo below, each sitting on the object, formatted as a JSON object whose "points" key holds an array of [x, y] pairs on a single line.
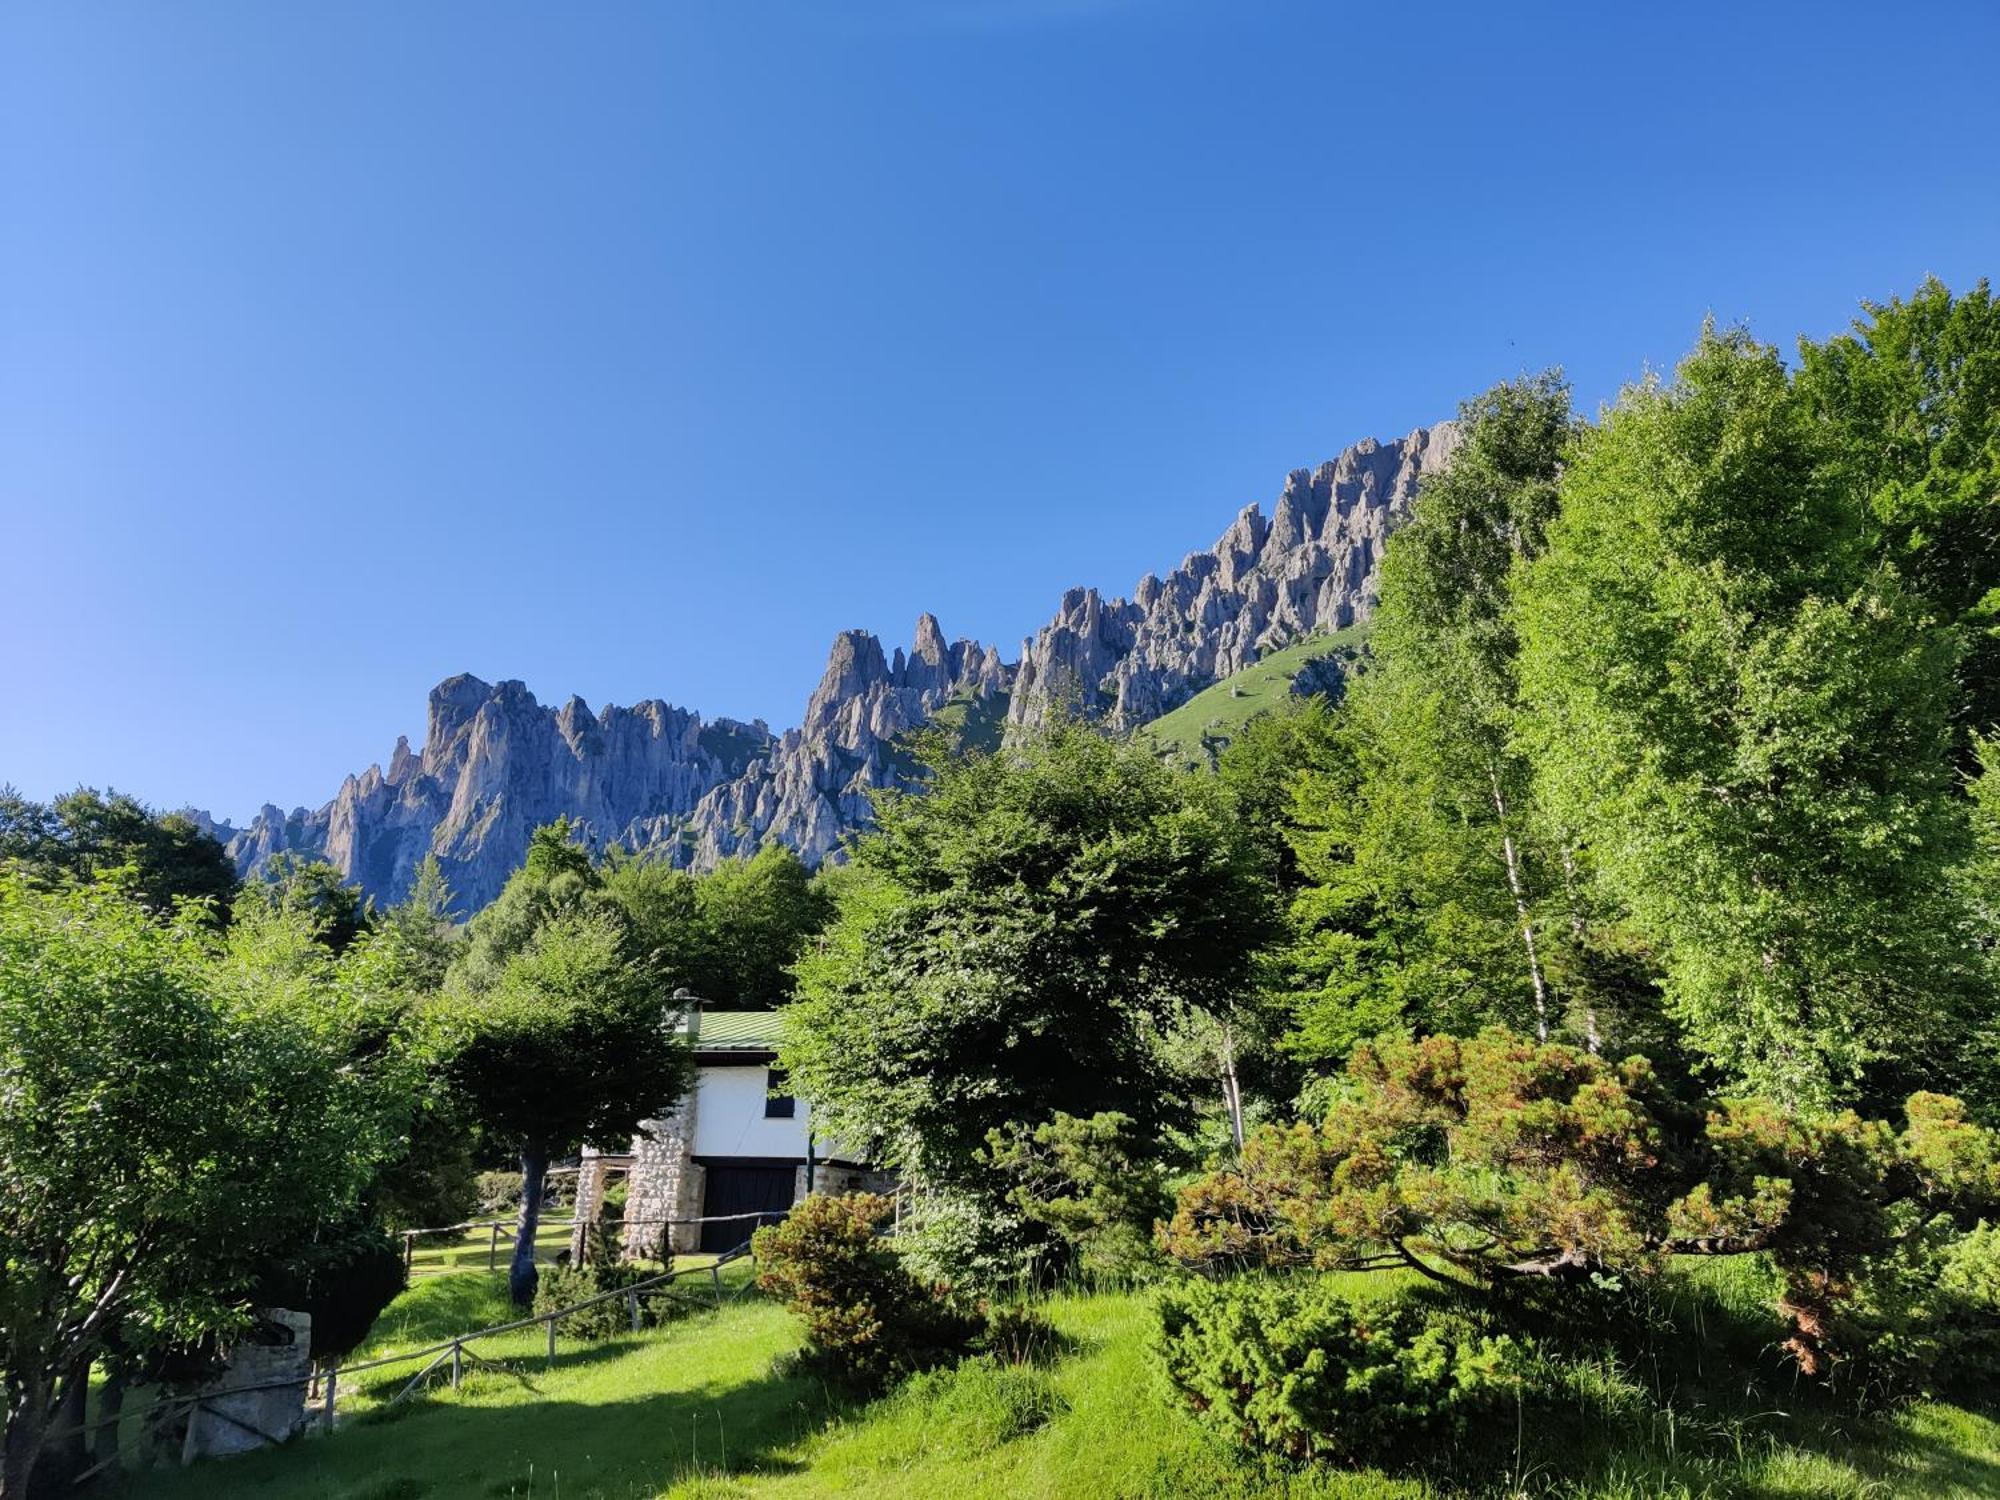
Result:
{"points": [[778, 1105]]}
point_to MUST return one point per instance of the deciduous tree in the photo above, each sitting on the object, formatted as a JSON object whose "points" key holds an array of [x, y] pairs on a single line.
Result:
{"points": [[171, 1117], [1751, 720], [1016, 941]]}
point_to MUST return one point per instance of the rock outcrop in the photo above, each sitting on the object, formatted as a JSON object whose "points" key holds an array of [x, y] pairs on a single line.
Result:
{"points": [[1310, 568], [495, 763], [495, 766]]}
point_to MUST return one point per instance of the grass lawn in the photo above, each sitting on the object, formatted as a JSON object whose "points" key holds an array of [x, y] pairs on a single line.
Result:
{"points": [[478, 1250], [705, 1410], [471, 1249], [1220, 711]]}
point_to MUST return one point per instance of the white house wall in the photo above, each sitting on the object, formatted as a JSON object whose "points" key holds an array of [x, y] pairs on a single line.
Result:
{"points": [[729, 1117]]}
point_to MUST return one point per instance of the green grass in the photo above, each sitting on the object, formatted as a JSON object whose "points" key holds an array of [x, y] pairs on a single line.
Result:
{"points": [[472, 1249], [708, 1409], [976, 720], [477, 1250], [1218, 713]]}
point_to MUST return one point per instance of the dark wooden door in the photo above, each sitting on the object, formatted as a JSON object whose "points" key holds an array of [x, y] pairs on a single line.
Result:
{"points": [[743, 1190]]}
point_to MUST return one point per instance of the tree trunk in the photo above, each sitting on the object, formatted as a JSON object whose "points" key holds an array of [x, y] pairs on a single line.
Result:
{"points": [[110, 1406], [64, 1446], [27, 1425], [1519, 890], [521, 1273], [1593, 1041], [1232, 1089]]}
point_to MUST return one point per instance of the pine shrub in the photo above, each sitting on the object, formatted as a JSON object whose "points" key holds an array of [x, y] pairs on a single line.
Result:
{"points": [[1294, 1367], [563, 1286], [868, 1322]]}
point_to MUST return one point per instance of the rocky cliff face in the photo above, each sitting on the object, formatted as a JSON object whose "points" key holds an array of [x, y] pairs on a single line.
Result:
{"points": [[496, 764], [1265, 583]]}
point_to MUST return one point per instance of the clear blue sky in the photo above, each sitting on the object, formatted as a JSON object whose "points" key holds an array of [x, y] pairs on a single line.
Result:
{"points": [[633, 350]]}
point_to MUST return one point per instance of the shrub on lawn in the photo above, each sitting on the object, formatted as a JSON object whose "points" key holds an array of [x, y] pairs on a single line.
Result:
{"points": [[1294, 1367], [1018, 1335], [976, 1406], [499, 1192], [868, 1322], [561, 1286], [1088, 1192]]}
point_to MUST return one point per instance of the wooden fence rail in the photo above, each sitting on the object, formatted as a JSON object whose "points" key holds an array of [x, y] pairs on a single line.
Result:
{"points": [[454, 1350], [410, 1236]]}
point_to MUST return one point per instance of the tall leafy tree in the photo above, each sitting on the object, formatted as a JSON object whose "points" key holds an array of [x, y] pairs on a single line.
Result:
{"points": [[729, 936], [173, 1117], [419, 929], [405, 956], [564, 1027], [314, 889], [572, 1042], [760, 913], [1437, 894], [556, 878], [161, 857], [1911, 398], [1750, 719], [1014, 944]]}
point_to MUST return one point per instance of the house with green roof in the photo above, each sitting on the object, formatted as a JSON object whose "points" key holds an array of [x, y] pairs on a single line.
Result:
{"points": [[736, 1152]]}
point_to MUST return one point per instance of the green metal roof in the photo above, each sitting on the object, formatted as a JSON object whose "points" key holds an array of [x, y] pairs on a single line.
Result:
{"points": [[736, 1031]]}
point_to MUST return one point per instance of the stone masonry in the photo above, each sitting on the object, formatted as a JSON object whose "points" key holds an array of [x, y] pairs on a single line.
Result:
{"points": [[665, 1183]]}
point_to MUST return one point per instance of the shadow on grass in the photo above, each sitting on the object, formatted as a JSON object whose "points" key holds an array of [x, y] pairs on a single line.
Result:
{"points": [[1691, 1394], [626, 1449]]}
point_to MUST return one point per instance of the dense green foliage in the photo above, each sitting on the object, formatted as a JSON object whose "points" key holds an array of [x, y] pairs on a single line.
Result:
{"points": [[1013, 945], [729, 936], [1911, 398], [1662, 738], [1086, 1192], [866, 1320], [1432, 889], [160, 858], [1499, 1163], [1752, 718], [566, 1286], [1298, 1367], [337, 912], [178, 1114]]}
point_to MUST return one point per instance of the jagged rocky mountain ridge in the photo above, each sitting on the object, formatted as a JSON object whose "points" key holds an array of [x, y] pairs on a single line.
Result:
{"points": [[495, 763]]}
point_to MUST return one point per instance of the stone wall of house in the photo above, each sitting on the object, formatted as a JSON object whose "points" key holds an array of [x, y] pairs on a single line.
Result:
{"points": [[666, 1183], [834, 1181], [256, 1418], [594, 1174]]}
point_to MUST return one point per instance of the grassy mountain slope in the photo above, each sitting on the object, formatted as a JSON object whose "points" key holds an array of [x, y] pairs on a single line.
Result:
{"points": [[1216, 714], [975, 720]]}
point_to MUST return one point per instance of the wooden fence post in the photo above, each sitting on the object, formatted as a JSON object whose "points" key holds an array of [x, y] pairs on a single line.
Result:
{"points": [[493, 1249], [332, 1375], [457, 1365], [552, 1340], [409, 1251]]}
